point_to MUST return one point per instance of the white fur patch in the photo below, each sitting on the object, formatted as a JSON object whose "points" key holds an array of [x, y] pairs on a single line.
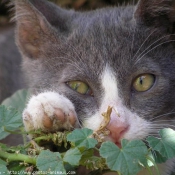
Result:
{"points": [[110, 89], [138, 127], [109, 84]]}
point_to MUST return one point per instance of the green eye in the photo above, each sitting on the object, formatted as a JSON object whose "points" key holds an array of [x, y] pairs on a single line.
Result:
{"points": [[144, 82], [80, 87]]}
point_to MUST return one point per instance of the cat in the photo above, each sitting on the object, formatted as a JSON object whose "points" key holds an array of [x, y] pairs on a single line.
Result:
{"points": [[79, 63], [11, 77]]}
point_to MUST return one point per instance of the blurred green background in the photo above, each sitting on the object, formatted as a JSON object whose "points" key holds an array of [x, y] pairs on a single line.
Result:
{"points": [[75, 4]]}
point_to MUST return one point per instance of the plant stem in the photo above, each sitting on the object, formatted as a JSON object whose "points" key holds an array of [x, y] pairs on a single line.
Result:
{"points": [[10, 157], [38, 139]]}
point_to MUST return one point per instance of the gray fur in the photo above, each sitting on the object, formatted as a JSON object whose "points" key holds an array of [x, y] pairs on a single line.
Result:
{"points": [[105, 36], [11, 78], [60, 45]]}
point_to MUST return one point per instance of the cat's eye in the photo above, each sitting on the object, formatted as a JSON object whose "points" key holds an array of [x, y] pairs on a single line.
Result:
{"points": [[80, 87], [144, 82]]}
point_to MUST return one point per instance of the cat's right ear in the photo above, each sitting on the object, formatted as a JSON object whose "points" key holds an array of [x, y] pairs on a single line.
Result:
{"points": [[40, 24], [156, 13]]}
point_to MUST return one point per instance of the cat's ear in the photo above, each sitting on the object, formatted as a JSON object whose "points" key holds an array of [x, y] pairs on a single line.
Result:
{"points": [[157, 13], [39, 24]]}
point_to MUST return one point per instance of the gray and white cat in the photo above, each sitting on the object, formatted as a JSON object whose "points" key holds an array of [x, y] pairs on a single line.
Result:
{"points": [[79, 63]]}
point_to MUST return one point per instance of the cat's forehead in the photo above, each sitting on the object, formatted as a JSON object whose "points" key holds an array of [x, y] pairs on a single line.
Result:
{"points": [[99, 44], [108, 33], [105, 27], [113, 37]]}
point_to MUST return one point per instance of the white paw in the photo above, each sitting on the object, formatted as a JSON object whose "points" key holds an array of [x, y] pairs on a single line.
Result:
{"points": [[49, 111]]}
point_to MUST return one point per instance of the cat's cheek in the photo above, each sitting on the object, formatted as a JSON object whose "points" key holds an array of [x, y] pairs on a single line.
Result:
{"points": [[139, 128], [93, 122]]}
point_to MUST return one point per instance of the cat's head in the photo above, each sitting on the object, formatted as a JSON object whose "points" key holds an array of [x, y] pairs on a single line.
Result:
{"points": [[122, 57]]}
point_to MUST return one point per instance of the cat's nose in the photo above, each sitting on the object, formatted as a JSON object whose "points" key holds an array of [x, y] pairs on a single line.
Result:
{"points": [[117, 128]]}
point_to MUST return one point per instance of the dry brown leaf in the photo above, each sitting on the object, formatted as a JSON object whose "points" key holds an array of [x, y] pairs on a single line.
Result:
{"points": [[107, 116], [102, 131]]}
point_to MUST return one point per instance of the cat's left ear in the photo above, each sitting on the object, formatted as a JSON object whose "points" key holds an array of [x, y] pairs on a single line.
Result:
{"points": [[156, 13]]}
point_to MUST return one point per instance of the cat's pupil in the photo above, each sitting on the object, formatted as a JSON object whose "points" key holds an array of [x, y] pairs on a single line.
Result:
{"points": [[141, 80]]}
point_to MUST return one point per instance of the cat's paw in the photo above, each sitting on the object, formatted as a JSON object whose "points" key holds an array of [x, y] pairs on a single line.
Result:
{"points": [[49, 111]]}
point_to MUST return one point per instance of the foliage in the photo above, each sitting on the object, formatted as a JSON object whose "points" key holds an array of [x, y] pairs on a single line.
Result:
{"points": [[10, 120], [79, 148], [17, 100]]}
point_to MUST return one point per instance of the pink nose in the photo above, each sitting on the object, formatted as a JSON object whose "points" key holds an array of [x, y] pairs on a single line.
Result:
{"points": [[117, 128], [117, 131]]}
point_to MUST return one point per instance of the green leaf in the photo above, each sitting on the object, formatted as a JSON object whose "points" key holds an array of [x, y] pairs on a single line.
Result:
{"points": [[2, 162], [10, 119], [3, 147], [72, 156], [166, 145], [81, 138], [158, 158], [16, 167], [17, 100], [50, 162], [126, 160], [92, 162], [86, 155], [3, 169]]}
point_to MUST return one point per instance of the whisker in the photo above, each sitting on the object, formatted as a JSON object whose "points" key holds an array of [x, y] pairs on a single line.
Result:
{"points": [[162, 115], [156, 42], [164, 126], [143, 44], [152, 49], [153, 43], [164, 120]]}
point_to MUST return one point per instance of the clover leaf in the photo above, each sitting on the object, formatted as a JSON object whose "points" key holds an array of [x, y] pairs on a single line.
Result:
{"points": [[164, 145], [132, 154], [81, 138], [72, 156], [10, 119], [50, 162]]}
